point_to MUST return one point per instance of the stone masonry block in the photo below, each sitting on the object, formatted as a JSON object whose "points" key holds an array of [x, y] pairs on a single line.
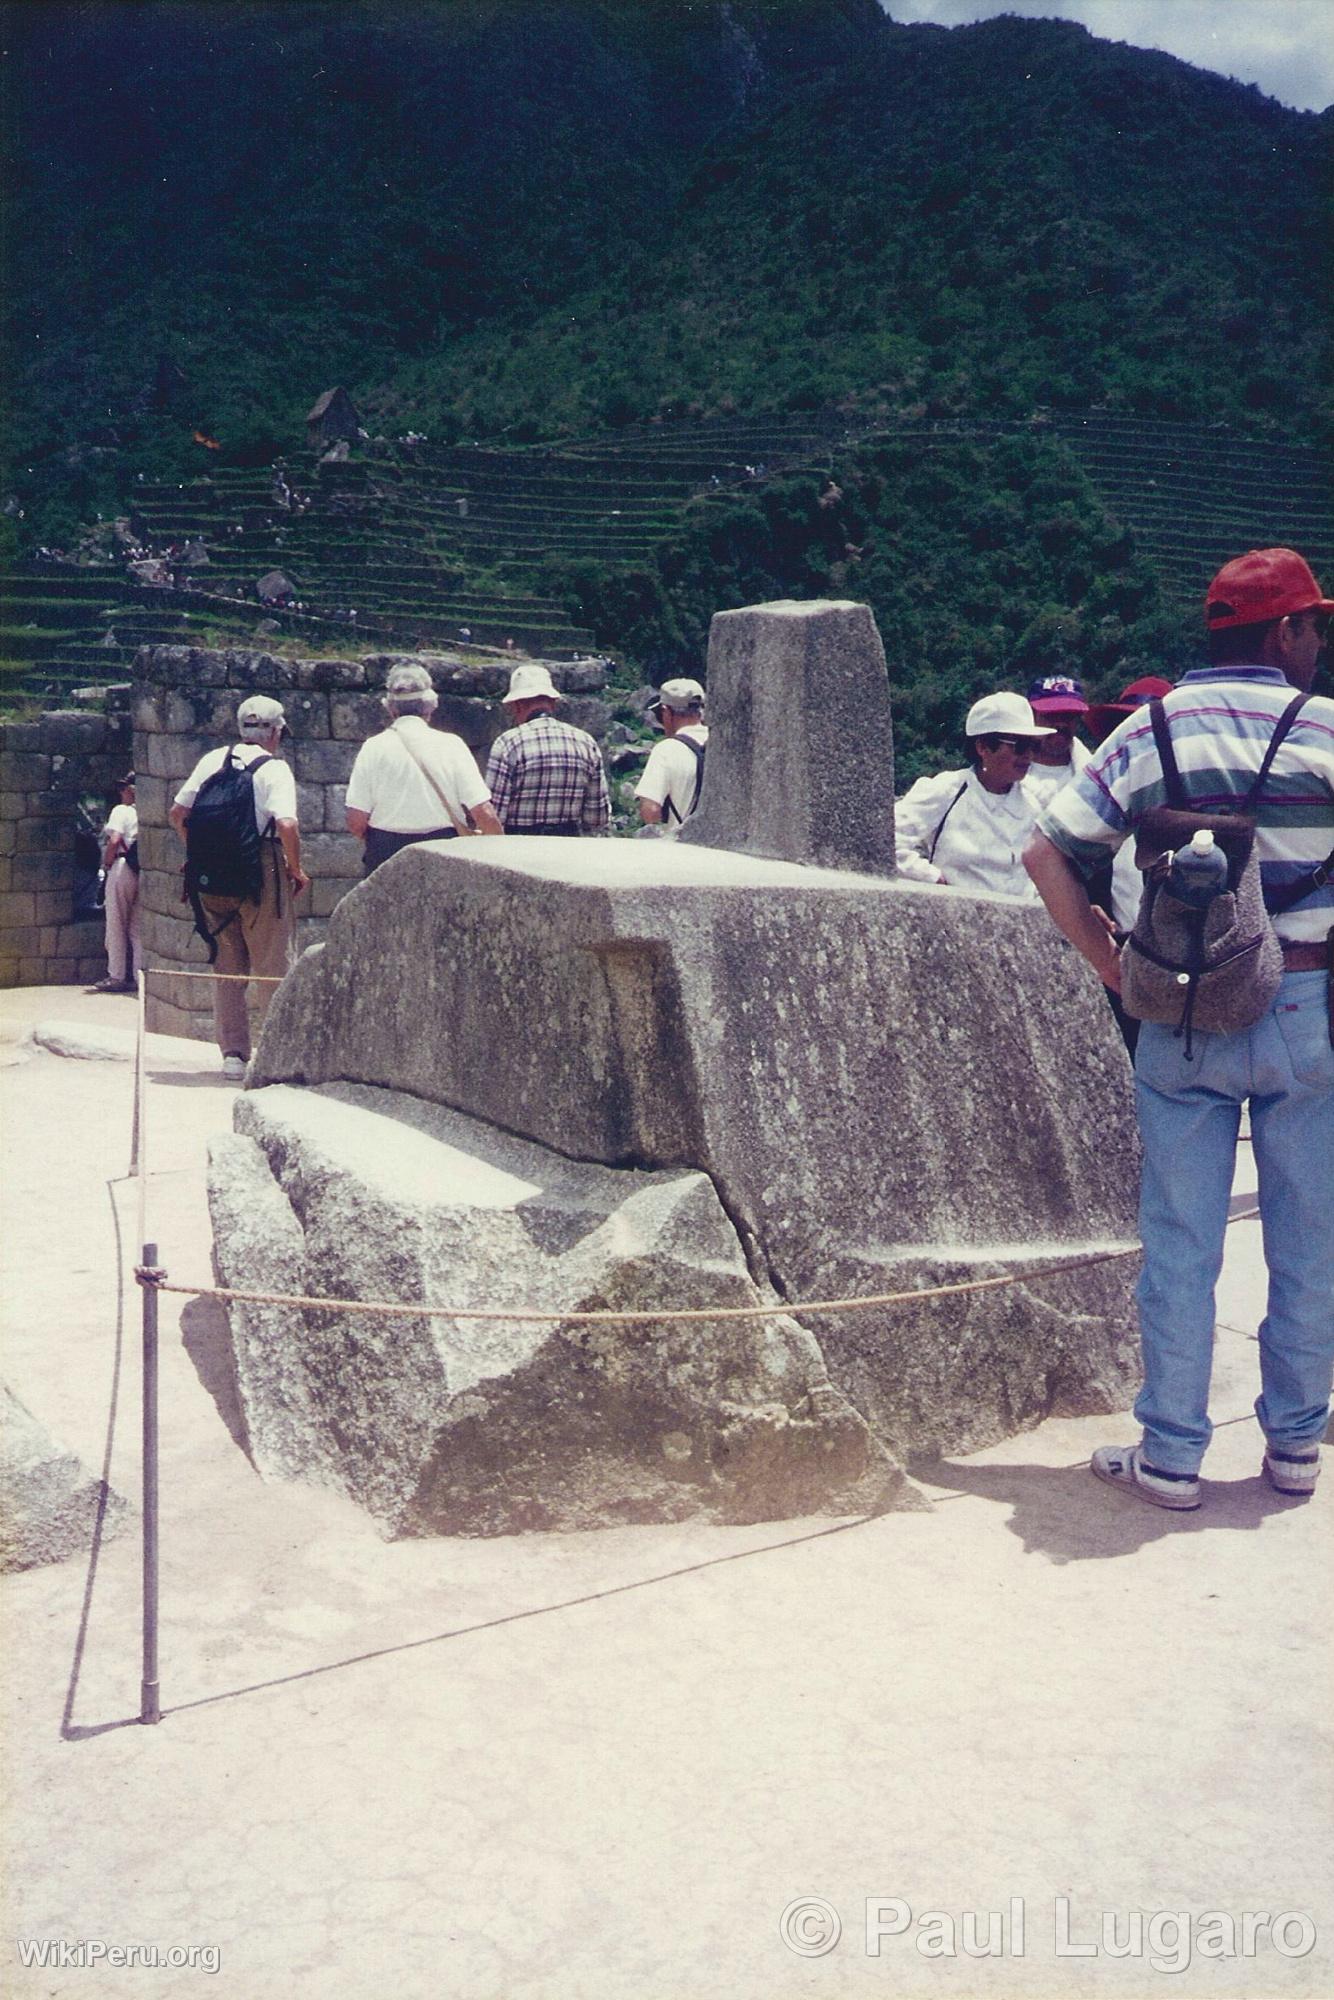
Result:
{"points": [[73, 731], [53, 906], [12, 805], [332, 857], [152, 798], [159, 848], [307, 712], [63, 970], [22, 939], [310, 808], [33, 971], [20, 736], [40, 836], [43, 871], [6, 874], [325, 896], [92, 967], [354, 717], [24, 769], [77, 940], [176, 756], [324, 763], [331, 673], [9, 969], [259, 673], [49, 942]]}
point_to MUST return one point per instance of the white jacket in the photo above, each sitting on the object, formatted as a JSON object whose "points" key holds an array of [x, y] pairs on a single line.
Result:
{"points": [[950, 828]]}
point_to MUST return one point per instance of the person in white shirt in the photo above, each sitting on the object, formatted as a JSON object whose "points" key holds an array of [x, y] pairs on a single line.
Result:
{"points": [[253, 938], [120, 867], [412, 782], [669, 790], [968, 828], [1058, 701]]}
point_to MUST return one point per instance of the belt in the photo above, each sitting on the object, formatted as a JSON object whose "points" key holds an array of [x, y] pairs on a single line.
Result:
{"points": [[1308, 955]]}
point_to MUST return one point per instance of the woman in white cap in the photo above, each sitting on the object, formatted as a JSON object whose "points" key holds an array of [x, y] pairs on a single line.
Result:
{"points": [[120, 862], [967, 828]]}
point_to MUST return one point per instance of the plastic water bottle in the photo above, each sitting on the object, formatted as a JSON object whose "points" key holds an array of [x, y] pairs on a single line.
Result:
{"points": [[1198, 871]]}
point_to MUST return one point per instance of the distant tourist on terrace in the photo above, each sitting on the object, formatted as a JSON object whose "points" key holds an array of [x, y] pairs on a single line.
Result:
{"points": [[545, 775]]}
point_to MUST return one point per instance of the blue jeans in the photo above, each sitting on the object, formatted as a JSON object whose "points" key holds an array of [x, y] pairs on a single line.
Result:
{"points": [[1189, 1115]]}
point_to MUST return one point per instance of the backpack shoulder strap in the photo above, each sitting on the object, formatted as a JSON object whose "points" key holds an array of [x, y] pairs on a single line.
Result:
{"points": [[1162, 736], [1281, 728], [697, 752]]}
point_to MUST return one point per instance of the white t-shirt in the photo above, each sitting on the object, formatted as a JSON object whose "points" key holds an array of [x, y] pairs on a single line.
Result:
{"points": [[1045, 780], [123, 820], [671, 773], [982, 838], [387, 783], [275, 787]]}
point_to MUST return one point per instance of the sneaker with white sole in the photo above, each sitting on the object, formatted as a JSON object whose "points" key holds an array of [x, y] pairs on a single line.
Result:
{"points": [[1292, 1469], [1124, 1466], [233, 1069]]}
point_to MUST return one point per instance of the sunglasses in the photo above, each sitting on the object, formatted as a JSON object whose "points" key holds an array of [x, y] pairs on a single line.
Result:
{"points": [[1023, 744]]}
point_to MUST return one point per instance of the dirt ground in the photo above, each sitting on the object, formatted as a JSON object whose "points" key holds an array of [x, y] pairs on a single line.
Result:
{"points": [[1039, 1740]]}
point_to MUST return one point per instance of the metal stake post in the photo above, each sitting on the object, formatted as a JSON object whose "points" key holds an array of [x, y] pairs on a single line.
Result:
{"points": [[150, 1708]]}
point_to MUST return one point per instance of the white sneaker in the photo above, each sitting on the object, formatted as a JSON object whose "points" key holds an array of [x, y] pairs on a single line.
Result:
{"points": [[1291, 1469], [1124, 1466], [233, 1069]]}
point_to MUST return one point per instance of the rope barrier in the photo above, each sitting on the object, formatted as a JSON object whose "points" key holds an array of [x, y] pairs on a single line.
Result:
{"points": [[640, 1316], [244, 978]]}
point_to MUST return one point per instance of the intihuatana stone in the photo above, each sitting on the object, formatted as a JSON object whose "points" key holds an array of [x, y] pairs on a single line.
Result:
{"points": [[478, 1427], [890, 1086]]}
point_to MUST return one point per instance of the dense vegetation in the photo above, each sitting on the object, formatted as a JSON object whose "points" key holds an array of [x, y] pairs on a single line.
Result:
{"points": [[531, 219]]}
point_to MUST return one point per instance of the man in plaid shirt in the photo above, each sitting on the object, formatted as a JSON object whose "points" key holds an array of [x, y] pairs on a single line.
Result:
{"points": [[545, 776]]}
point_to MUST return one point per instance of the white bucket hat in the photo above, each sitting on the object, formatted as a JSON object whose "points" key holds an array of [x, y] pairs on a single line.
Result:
{"points": [[1003, 715], [528, 681]]}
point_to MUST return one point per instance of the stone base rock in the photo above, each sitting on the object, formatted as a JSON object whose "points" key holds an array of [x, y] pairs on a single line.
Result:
{"points": [[441, 1425], [49, 1501]]}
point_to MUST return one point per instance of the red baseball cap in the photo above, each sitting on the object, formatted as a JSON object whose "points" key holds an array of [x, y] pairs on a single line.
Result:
{"points": [[1103, 716], [1260, 586]]}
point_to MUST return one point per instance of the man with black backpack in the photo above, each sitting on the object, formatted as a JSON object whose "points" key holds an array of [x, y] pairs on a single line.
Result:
{"points": [[1233, 747], [236, 813], [673, 777]]}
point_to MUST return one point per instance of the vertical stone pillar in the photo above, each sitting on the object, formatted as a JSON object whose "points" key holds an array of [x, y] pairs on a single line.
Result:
{"points": [[801, 750]]}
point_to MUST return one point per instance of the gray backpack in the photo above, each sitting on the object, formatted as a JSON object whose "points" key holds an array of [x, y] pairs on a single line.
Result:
{"points": [[1217, 968]]}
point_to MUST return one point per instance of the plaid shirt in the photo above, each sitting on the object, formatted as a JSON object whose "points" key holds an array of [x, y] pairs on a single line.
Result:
{"points": [[547, 773]]}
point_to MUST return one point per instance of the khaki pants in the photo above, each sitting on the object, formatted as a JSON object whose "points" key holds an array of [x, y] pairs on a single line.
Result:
{"points": [[255, 938], [122, 921]]}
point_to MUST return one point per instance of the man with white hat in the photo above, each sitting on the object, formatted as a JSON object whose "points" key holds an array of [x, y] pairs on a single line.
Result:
{"points": [[545, 776], [251, 932], [412, 782], [673, 777]]}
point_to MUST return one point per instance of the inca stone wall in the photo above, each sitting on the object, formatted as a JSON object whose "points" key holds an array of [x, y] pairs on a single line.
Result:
{"points": [[46, 766], [185, 704]]}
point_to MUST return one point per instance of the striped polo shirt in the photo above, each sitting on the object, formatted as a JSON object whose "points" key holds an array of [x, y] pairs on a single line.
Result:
{"points": [[1221, 720]]}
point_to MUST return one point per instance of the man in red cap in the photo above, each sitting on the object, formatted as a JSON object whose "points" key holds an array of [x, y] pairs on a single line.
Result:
{"points": [[1266, 621]]}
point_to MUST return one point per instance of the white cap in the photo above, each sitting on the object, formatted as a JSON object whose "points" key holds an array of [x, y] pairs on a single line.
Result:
{"points": [[1003, 715], [259, 715], [679, 695], [529, 681]]}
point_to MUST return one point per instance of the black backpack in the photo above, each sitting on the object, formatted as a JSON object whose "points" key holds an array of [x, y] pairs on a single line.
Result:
{"points": [[224, 849]]}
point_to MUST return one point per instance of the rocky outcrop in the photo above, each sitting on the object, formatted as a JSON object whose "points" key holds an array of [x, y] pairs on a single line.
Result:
{"points": [[50, 1503], [462, 1426]]}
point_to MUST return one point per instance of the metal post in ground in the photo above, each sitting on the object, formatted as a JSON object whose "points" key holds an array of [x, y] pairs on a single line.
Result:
{"points": [[150, 1707], [136, 1118]]}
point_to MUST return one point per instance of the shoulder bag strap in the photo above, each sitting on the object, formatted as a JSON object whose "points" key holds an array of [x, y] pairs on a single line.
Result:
{"points": [[1281, 728], [940, 823], [431, 779]]}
